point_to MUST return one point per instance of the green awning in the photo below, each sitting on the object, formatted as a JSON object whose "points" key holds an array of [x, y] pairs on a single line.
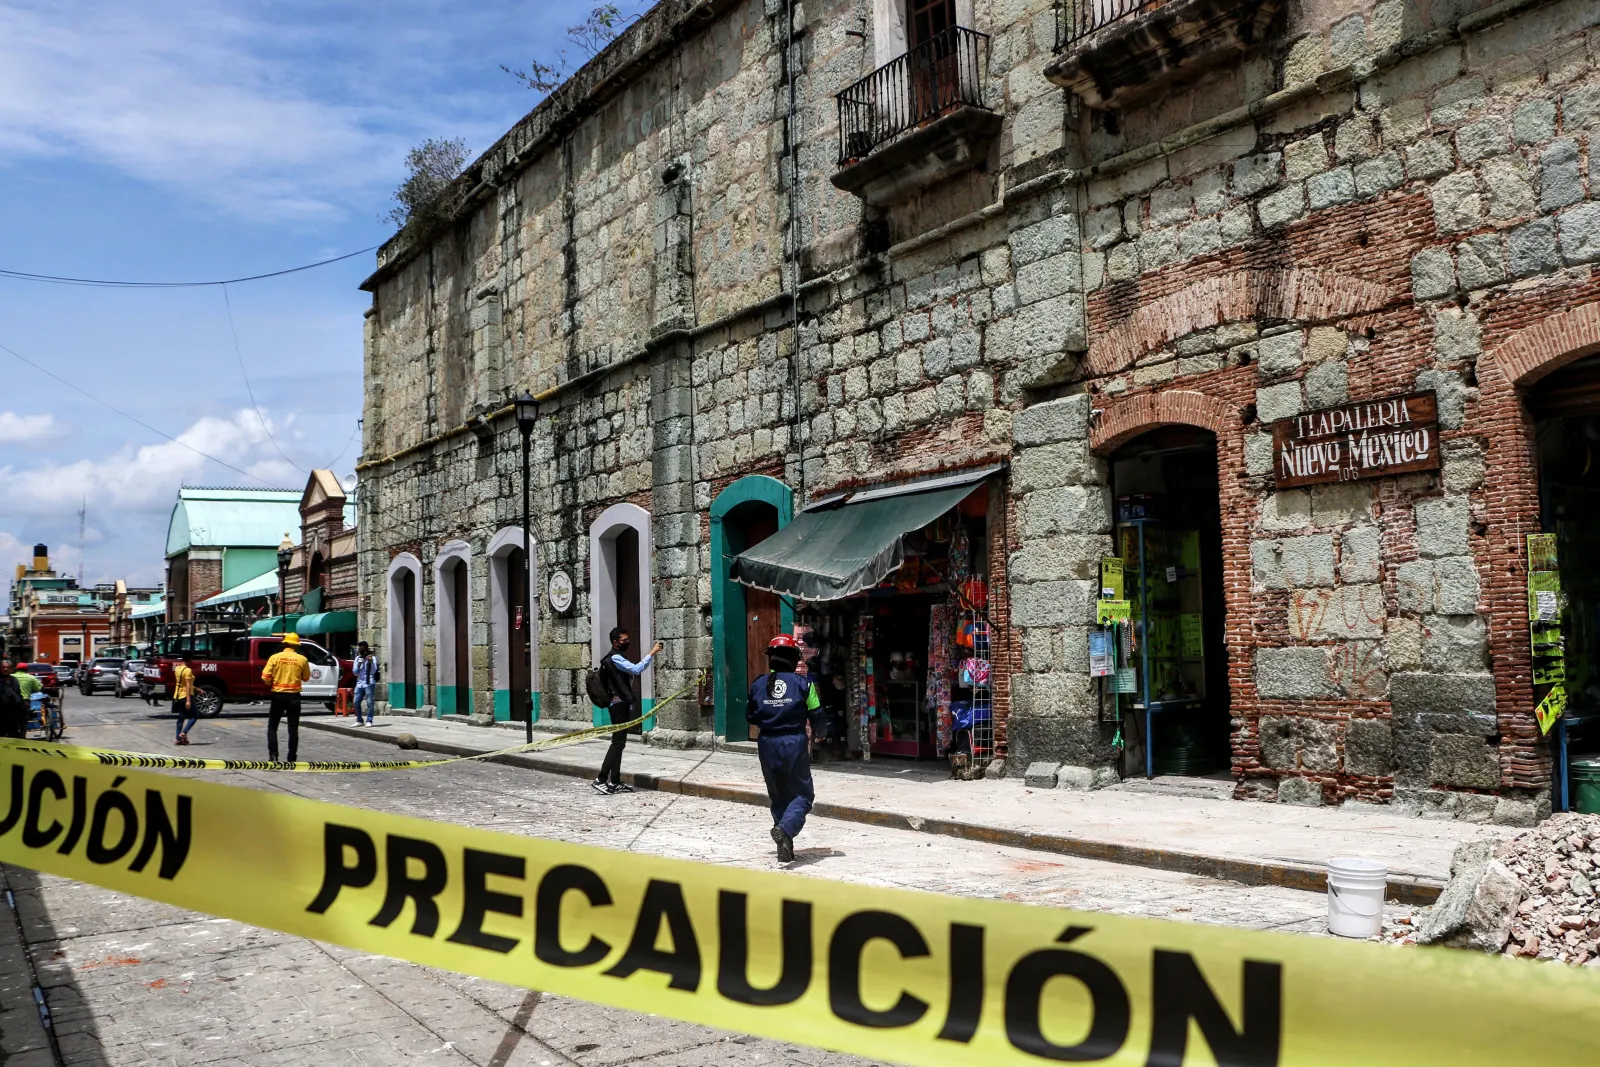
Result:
{"points": [[274, 624], [840, 548], [327, 622]]}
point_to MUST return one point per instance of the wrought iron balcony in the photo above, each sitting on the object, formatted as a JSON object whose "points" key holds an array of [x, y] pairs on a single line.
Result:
{"points": [[1079, 18], [940, 75]]}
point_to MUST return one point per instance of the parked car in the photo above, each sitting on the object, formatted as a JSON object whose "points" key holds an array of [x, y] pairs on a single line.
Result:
{"points": [[46, 673], [128, 678], [100, 674], [67, 671], [227, 670]]}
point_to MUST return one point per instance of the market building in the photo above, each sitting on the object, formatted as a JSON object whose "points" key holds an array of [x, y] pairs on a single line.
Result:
{"points": [[218, 539], [1157, 388]]}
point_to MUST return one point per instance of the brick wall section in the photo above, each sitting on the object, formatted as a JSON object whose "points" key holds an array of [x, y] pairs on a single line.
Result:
{"points": [[1535, 351], [1131, 416]]}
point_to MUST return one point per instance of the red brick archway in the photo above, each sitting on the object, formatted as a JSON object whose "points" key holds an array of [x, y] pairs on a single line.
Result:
{"points": [[1128, 418], [1535, 351], [1306, 296]]}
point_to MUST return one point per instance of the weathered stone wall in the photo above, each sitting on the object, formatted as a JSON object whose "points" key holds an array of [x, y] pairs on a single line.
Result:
{"points": [[1364, 205]]}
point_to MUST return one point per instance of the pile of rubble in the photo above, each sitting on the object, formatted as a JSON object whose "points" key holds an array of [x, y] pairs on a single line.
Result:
{"points": [[1533, 895]]}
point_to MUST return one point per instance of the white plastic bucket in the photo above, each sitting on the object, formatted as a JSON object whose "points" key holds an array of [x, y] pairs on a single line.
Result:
{"points": [[1355, 896]]}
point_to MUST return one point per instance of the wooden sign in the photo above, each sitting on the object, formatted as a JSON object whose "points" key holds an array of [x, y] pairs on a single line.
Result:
{"points": [[1372, 439]]}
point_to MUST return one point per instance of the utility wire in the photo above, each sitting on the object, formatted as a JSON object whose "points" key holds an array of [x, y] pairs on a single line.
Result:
{"points": [[116, 284], [132, 418], [234, 333]]}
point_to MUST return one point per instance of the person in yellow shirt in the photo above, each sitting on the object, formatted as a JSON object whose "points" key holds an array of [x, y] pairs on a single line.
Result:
{"points": [[285, 671], [183, 697]]}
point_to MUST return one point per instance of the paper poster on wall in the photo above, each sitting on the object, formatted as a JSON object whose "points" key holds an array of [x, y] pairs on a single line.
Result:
{"points": [[1111, 611], [1111, 587], [1100, 653], [1551, 708], [1542, 552], [1192, 640]]}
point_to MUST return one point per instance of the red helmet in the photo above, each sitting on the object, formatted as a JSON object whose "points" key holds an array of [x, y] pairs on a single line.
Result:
{"points": [[783, 641]]}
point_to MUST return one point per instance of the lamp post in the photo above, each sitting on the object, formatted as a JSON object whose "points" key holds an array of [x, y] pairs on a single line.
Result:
{"points": [[285, 554], [527, 415]]}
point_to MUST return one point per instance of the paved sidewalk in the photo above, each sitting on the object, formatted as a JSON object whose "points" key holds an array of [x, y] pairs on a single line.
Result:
{"points": [[1198, 831]]}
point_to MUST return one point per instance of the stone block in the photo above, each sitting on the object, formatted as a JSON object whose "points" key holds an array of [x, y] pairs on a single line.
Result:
{"points": [[1457, 202], [1402, 644], [1342, 613], [1283, 206], [1533, 249], [1462, 473], [1041, 775], [1515, 811], [1046, 278], [1580, 234], [1258, 453], [1457, 337], [1287, 509], [1256, 174], [1429, 159], [1451, 393], [1050, 237], [1171, 204], [1103, 228], [1076, 741], [1415, 584], [1200, 239], [1433, 274], [1454, 643], [1275, 734], [1560, 175], [1580, 107], [1280, 354], [1066, 419], [1347, 42], [1509, 186], [1276, 402], [1534, 122], [1336, 186], [1442, 526], [1074, 777], [1455, 103], [1338, 503], [1456, 586], [1463, 698], [1051, 466], [1327, 385], [1355, 139], [1481, 261], [1369, 747], [1480, 140], [1059, 558], [1464, 761], [1476, 909], [1063, 603], [1237, 225], [1306, 561], [1305, 157], [1374, 176], [1050, 326], [1291, 673], [1301, 792], [1068, 510], [1359, 550]]}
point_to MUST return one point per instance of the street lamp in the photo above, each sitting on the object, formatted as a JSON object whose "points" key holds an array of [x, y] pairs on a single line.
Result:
{"points": [[285, 554], [527, 414]]}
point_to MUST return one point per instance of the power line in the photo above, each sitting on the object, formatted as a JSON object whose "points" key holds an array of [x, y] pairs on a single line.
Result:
{"points": [[234, 333], [56, 279], [131, 418]]}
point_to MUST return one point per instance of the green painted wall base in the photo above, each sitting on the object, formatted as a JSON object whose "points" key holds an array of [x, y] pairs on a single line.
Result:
{"points": [[454, 700], [502, 705], [402, 695], [602, 717]]}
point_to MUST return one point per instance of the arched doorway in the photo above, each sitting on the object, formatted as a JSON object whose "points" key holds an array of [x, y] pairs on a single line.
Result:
{"points": [[745, 513], [1173, 698], [404, 633], [619, 587], [453, 628], [514, 627]]}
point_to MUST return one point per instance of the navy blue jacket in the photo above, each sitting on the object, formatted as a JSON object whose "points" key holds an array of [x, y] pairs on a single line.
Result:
{"points": [[793, 700]]}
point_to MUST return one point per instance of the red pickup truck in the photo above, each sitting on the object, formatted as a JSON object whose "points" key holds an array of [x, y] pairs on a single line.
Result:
{"points": [[227, 669]]}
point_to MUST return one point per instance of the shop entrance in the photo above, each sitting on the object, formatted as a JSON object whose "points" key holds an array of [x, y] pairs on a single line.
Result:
{"points": [[517, 623], [745, 527], [1168, 689], [1566, 640]]}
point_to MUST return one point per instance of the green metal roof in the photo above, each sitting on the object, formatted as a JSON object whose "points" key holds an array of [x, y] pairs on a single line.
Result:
{"points": [[327, 622], [145, 611], [262, 585], [233, 518], [274, 624]]}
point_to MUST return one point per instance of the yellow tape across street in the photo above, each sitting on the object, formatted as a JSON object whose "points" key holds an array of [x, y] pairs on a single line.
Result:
{"points": [[912, 977], [111, 757]]}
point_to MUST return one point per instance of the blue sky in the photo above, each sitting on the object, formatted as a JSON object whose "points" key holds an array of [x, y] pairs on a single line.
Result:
{"points": [[202, 139]]}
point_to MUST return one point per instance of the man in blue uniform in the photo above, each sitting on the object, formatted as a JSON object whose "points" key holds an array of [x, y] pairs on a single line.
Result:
{"points": [[786, 708]]}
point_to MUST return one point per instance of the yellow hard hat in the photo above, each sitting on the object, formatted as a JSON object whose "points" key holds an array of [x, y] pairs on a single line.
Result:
{"points": [[291, 639]]}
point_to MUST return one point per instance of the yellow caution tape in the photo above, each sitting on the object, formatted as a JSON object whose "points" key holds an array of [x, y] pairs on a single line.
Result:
{"points": [[891, 974], [114, 758]]}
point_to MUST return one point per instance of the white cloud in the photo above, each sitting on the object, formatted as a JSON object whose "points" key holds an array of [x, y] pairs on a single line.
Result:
{"points": [[22, 429]]}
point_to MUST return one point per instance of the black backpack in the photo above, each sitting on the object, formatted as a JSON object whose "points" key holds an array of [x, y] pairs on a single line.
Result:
{"points": [[599, 691]]}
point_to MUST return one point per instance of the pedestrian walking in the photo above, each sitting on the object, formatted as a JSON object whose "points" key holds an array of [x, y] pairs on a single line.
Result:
{"points": [[183, 697], [14, 705], [286, 670], [366, 671], [619, 672], [786, 708]]}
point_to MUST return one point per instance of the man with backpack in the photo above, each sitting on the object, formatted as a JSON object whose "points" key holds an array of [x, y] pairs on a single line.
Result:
{"points": [[13, 701], [613, 682]]}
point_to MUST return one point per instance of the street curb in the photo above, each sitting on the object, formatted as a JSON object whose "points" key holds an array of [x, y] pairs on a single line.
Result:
{"points": [[1286, 875]]}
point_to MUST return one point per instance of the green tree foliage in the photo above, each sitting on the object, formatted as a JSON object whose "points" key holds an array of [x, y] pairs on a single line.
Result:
{"points": [[430, 167], [591, 35]]}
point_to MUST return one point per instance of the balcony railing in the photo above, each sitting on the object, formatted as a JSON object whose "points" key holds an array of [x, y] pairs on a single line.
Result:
{"points": [[1079, 18], [939, 75]]}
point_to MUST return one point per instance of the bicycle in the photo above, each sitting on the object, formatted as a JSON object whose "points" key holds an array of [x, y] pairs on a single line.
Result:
{"points": [[47, 718]]}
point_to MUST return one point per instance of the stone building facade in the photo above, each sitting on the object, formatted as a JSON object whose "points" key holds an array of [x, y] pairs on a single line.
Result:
{"points": [[1120, 238]]}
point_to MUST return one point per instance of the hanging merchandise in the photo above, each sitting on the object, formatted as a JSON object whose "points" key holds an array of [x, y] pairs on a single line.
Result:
{"points": [[975, 593], [869, 698], [941, 666], [960, 568], [1545, 601], [975, 672], [1102, 644]]}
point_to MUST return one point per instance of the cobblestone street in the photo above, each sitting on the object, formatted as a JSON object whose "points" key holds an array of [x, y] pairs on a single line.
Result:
{"points": [[131, 982]]}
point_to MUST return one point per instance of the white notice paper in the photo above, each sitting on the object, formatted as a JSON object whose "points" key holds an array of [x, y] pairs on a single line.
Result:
{"points": [[1546, 601]]}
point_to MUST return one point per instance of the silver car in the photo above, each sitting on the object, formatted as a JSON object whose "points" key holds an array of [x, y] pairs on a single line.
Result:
{"points": [[100, 674]]}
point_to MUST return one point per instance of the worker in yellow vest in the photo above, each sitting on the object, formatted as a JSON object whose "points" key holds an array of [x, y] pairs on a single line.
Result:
{"points": [[284, 672]]}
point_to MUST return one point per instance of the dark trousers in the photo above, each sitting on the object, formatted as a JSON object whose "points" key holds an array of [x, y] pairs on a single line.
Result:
{"points": [[284, 705], [184, 710], [14, 725], [786, 765], [611, 766]]}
